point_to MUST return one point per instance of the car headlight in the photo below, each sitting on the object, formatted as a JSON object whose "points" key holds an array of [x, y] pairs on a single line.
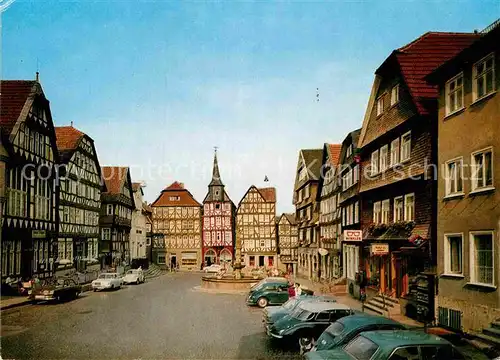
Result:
{"points": [[282, 331]]}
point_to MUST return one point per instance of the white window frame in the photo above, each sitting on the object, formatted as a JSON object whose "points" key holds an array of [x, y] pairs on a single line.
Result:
{"points": [[454, 93], [475, 76], [401, 210], [385, 211], [475, 186], [374, 162], [356, 212], [449, 180], [104, 231], [383, 154], [403, 145], [472, 260], [447, 254], [406, 216], [377, 212], [380, 105], [394, 153], [395, 95]]}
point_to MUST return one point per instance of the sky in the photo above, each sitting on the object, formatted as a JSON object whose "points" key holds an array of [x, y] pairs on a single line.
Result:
{"points": [[158, 84]]}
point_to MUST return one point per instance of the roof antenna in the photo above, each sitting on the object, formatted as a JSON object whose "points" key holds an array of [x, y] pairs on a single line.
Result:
{"points": [[37, 77]]}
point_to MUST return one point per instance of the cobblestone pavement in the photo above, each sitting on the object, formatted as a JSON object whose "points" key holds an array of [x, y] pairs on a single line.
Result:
{"points": [[165, 318]]}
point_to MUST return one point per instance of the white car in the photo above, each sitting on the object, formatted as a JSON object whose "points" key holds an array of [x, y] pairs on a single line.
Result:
{"points": [[134, 276], [107, 281], [214, 268]]}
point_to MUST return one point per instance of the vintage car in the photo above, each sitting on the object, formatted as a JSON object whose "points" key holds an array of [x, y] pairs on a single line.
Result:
{"points": [[107, 281], [58, 289], [345, 329], [134, 276], [391, 345], [214, 268], [273, 314], [308, 321], [269, 291]]}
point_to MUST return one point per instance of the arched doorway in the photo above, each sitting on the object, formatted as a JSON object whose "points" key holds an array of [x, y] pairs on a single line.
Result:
{"points": [[225, 258], [210, 257]]}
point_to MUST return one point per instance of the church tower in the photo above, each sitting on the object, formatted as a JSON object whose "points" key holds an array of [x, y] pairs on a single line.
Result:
{"points": [[218, 224]]}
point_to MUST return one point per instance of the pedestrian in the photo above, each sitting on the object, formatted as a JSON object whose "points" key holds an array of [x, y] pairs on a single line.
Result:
{"points": [[291, 290], [298, 289]]}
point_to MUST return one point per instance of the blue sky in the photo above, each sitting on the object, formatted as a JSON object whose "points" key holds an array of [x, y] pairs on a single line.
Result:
{"points": [[157, 84]]}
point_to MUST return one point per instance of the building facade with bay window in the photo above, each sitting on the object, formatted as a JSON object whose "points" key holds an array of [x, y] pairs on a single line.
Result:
{"points": [[468, 185]]}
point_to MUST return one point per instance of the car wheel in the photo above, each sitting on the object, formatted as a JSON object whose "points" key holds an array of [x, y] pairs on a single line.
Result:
{"points": [[262, 302], [306, 343], [112, 287], [137, 282]]}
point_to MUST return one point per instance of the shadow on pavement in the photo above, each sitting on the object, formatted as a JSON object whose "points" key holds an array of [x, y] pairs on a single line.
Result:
{"points": [[253, 346]]}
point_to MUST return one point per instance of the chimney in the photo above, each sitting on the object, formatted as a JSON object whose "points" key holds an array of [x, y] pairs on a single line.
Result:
{"points": [[71, 123], [181, 185], [37, 76]]}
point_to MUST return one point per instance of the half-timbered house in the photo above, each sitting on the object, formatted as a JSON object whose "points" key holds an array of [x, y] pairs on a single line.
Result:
{"points": [[177, 215], [139, 226], [288, 243], [256, 227], [218, 224], [398, 154], [329, 213], [115, 221], [80, 201], [307, 210], [30, 221]]}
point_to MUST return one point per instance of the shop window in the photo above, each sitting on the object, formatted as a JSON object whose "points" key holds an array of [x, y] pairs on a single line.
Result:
{"points": [[161, 259], [261, 260], [252, 260]]}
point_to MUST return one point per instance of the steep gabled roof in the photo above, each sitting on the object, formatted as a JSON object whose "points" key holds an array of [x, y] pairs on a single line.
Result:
{"points": [[174, 191], [114, 177], [290, 218], [216, 181], [268, 193], [334, 153], [312, 159], [13, 96], [67, 140]]}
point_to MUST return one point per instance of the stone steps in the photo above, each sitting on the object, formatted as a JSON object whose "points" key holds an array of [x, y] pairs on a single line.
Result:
{"points": [[383, 305]]}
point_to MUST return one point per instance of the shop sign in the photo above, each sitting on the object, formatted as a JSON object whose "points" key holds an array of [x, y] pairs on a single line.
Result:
{"points": [[353, 235], [379, 249], [38, 234]]}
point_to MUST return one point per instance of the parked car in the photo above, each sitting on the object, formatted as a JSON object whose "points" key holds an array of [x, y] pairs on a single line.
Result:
{"points": [[107, 281], [270, 291], [273, 314], [134, 276], [308, 321], [345, 329], [214, 268], [58, 289], [391, 345]]}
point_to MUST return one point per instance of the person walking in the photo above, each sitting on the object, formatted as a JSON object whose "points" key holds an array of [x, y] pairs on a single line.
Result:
{"points": [[291, 290], [298, 289]]}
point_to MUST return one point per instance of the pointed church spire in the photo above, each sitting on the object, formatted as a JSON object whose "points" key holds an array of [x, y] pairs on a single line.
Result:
{"points": [[216, 181]]}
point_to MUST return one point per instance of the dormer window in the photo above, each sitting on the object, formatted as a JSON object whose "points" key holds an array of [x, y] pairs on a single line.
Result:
{"points": [[174, 198], [394, 95]]}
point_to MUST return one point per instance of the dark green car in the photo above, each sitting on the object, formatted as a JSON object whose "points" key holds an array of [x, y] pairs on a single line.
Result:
{"points": [[345, 329], [269, 291], [273, 314], [308, 321], [391, 345]]}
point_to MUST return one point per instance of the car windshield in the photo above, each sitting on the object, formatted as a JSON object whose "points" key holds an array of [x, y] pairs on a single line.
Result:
{"points": [[361, 348], [303, 315], [335, 329], [106, 276], [290, 304], [132, 272]]}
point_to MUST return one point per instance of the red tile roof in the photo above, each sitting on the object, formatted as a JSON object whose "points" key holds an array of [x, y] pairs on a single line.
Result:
{"points": [[13, 96], [269, 194], [173, 191], [114, 176], [67, 137], [334, 150], [423, 55]]}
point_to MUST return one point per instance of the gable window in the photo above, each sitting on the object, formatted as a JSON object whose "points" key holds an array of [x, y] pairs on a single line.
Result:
{"points": [[454, 94], [306, 190], [109, 209], [380, 105], [106, 234], [385, 211], [395, 152], [374, 163], [409, 207], [481, 262], [377, 216], [398, 209], [454, 176], [483, 77], [384, 150], [356, 174], [453, 254], [349, 151], [482, 172], [405, 146], [216, 192], [395, 95]]}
